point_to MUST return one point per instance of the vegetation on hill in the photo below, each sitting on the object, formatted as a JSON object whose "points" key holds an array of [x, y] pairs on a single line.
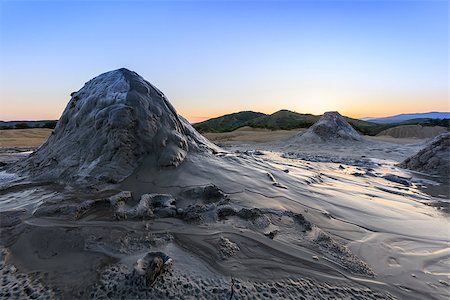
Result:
{"points": [[287, 120], [428, 122], [283, 119], [227, 123], [28, 124]]}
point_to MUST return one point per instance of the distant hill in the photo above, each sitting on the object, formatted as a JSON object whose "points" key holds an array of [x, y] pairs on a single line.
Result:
{"points": [[406, 117], [283, 119], [286, 120], [227, 122], [280, 120]]}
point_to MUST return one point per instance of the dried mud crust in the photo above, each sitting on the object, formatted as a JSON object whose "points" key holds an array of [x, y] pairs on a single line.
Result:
{"points": [[15, 285], [120, 282]]}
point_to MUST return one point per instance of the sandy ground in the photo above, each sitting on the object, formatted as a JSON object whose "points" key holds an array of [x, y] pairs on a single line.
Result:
{"points": [[248, 134], [400, 141], [32, 137], [264, 219], [413, 131], [255, 135]]}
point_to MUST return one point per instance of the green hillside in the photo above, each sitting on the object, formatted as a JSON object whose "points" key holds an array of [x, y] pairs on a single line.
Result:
{"points": [[286, 120], [283, 119], [227, 123]]}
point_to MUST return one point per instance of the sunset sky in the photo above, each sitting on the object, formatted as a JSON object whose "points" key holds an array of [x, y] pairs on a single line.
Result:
{"points": [[362, 58]]}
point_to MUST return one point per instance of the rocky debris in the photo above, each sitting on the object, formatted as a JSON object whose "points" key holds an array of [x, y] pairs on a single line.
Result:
{"points": [[275, 182], [225, 211], [250, 214], [90, 206], [397, 179], [331, 127], [161, 205], [121, 206], [124, 196], [300, 219], [199, 213], [152, 266], [227, 248], [341, 254], [254, 215], [271, 235], [206, 194], [116, 121], [433, 159], [260, 218]]}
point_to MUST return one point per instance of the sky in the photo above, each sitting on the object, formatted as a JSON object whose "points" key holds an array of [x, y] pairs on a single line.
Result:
{"points": [[360, 57]]}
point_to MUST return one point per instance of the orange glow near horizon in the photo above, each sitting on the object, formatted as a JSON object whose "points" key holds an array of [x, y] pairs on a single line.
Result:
{"points": [[16, 110], [39, 103]]}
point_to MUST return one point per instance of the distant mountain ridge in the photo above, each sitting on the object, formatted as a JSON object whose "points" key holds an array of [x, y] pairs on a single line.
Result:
{"points": [[411, 116]]}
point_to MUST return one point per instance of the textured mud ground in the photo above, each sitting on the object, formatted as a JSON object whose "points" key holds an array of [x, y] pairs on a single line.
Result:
{"points": [[299, 229]]}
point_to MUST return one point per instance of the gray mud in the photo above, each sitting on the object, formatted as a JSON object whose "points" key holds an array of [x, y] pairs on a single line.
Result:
{"points": [[137, 204]]}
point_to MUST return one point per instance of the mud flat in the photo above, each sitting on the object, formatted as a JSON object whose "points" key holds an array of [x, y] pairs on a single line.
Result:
{"points": [[187, 219]]}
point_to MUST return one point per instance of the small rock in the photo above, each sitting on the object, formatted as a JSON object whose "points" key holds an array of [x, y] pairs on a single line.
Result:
{"points": [[271, 234], [124, 196], [444, 282], [152, 266], [227, 248], [397, 179]]}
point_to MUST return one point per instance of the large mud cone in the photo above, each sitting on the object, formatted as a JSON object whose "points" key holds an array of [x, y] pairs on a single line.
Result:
{"points": [[109, 126], [331, 127], [433, 159]]}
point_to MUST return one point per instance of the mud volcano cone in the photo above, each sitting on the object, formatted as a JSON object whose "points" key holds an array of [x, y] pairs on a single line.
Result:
{"points": [[433, 159], [109, 127], [331, 127]]}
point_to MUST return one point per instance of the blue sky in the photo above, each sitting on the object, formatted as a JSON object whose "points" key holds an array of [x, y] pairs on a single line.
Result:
{"points": [[214, 57]]}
